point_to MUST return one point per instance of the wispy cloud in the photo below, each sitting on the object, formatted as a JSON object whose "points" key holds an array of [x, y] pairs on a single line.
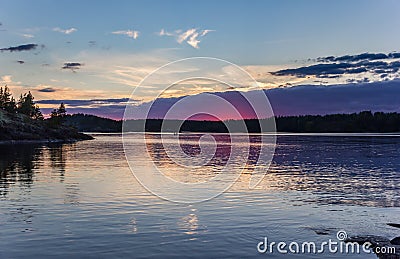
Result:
{"points": [[191, 36], [6, 79], [130, 33], [90, 103], [183, 36], [27, 36], [65, 31], [165, 33], [204, 32]]}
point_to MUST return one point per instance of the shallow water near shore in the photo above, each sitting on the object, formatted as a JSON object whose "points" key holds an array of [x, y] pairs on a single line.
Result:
{"points": [[81, 199]]}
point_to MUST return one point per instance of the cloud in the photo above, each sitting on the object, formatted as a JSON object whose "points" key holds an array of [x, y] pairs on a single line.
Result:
{"points": [[359, 57], [298, 100], [47, 90], [6, 79], [72, 66], [16, 87], [164, 33], [353, 58], [204, 32], [130, 33], [359, 68], [324, 70], [24, 47], [348, 98], [191, 36], [183, 36], [66, 31], [20, 61], [27, 36], [193, 40], [87, 103], [111, 108]]}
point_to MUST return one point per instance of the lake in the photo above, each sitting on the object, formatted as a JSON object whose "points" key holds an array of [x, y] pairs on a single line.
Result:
{"points": [[82, 200]]}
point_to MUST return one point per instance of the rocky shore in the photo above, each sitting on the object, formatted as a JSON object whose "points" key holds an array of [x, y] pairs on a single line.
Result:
{"points": [[18, 128]]}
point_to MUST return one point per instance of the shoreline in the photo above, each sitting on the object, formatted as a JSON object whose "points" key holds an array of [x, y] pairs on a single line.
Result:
{"points": [[40, 141]]}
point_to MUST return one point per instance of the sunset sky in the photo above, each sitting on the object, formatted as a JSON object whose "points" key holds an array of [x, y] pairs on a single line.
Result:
{"points": [[310, 57]]}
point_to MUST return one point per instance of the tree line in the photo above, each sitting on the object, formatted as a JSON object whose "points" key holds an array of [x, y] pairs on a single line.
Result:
{"points": [[362, 122], [365, 121], [26, 105]]}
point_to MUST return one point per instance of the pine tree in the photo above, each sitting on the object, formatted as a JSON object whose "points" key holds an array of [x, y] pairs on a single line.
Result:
{"points": [[37, 115], [25, 105], [1, 98], [57, 115], [61, 111], [10, 106], [54, 114], [5, 97]]}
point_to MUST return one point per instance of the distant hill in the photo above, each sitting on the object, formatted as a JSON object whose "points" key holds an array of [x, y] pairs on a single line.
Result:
{"points": [[362, 122], [20, 128], [92, 123]]}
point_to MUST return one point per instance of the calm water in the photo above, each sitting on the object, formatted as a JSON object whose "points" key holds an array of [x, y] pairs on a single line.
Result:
{"points": [[82, 200]]}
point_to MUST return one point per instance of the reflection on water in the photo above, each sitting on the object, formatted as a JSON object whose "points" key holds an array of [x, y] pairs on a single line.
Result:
{"points": [[16, 166], [189, 223], [353, 170], [82, 200], [348, 170], [58, 158]]}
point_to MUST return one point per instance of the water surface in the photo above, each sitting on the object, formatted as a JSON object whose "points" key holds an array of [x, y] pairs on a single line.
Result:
{"points": [[81, 199]]}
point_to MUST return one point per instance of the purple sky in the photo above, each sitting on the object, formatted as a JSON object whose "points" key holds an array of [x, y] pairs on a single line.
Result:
{"points": [[297, 100]]}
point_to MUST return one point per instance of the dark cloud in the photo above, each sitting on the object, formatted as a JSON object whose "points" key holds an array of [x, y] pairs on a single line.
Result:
{"points": [[356, 96], [90, 102], [329, 70], [333, 67], [47, 90], [73, 66], [92, 43], [355, 58], [394, 55], [315, 70], [298, 100], [20, 61], [348, 98], [25, 47], [111, 108]]}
